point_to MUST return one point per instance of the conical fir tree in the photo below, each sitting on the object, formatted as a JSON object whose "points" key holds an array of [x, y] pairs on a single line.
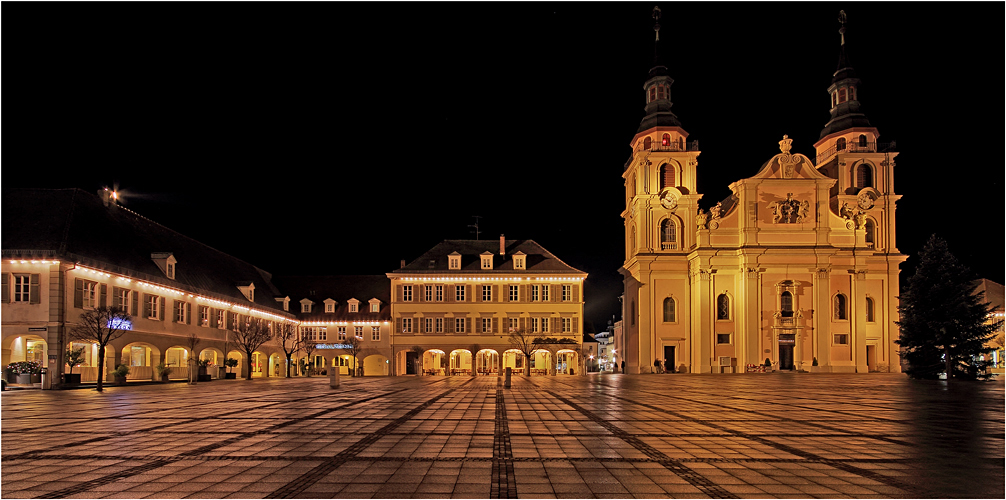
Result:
{"points": [[944, 323]]}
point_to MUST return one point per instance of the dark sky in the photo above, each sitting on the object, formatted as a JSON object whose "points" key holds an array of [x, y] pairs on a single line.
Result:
{"points": [[340, 138]]}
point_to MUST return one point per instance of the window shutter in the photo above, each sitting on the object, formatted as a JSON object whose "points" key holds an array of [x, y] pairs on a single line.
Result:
{"points": [[213, 317], [78, 293], [33, 290], [398, 325], [496, 293], [6, 288], [146, 309], [136, 302], [576, 293], [115, 297], [103, 295], [525, 293], [160, 310], [468, 293], [468, 325], [496, 327], [556, 325], [398, 293], [576, 325], [188, 313], [556, 293]]}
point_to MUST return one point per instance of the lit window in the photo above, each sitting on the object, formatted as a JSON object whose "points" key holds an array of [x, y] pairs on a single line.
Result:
{"points": [[204, 316], [375, 307], [665, 140], [670, 315], [513, 324], [221, 319]]}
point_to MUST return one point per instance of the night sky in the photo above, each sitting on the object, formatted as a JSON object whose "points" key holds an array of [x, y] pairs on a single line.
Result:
{"points": [[340, 138]]}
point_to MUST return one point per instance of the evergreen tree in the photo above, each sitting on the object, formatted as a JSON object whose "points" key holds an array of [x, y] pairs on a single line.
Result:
{"points": [[944, 323]]}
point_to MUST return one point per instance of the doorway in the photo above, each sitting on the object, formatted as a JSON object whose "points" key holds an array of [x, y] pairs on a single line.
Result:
{"points": [[785, 356], [669, 359], [871, 358], [411, 363]]}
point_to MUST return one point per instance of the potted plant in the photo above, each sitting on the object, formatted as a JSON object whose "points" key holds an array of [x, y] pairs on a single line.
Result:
{"points": [[163, 371], [120, 373], [230, 363], [26, 371], [203, 366], [74, 357]]}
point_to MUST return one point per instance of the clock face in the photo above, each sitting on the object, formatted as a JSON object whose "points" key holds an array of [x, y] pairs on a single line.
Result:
{"points": [[668, 200], [865, 201]]}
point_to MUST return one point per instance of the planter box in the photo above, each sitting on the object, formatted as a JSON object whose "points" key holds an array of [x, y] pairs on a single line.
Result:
{"points": [[119, 380], [24, 378], [230, 375], [204, 378], [71, 379]]}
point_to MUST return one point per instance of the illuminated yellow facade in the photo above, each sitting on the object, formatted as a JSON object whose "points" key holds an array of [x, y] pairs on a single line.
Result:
{"points": [[797, 267], [453, 309]]}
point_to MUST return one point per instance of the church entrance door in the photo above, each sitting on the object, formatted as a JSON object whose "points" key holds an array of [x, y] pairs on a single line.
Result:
{"points": [[785, 356], [669, 359]]}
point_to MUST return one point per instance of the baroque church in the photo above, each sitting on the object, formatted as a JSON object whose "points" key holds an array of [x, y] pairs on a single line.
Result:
{"points": [[797, 268]]}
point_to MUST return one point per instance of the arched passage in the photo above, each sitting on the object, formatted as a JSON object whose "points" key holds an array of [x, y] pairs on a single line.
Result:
{"points": [[567, 362], [434, 362], [376, 365], [486, 362], [277, 365], [237, 371], [141, 358], [461, 362]]}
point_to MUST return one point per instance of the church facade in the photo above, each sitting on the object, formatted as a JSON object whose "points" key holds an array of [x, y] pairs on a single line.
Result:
{"points": [[797, 268]]}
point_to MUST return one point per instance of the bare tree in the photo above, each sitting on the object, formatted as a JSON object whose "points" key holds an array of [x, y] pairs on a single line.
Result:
{"points": [[101, 326], [308, 346], [355, 345], [527, 343], [286, 334], [249, 336]]}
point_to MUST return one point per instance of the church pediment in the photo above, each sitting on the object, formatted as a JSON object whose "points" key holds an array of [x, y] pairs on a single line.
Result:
{"points": [[786, 165]]}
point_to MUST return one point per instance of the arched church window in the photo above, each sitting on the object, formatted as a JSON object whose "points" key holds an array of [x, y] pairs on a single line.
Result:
{"points": [[841, 95], [852, 93], [841, 305], [871, 233], [667, 176], [668, 235], [864, 176], [647, 143], [665, 140], [869, 310], [840, 144], [669, 313], [660, 92], [653, 94], [632, 238], [723, 306], [862, 140], [786, 304]]}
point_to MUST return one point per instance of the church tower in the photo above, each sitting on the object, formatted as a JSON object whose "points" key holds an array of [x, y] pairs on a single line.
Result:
{"points": [[797, 267], [660, 206]]}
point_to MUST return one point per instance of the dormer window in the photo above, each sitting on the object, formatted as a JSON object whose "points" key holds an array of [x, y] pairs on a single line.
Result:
{"points": [[487, 260], [329, 306], [165, 262], [285, 301], [454, 261], [519, 261], [248, 290], [375, 305], [306, 306], [354, 305]]}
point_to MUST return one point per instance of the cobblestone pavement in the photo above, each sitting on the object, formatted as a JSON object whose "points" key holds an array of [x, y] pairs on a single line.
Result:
{"points": [[604, 436]]}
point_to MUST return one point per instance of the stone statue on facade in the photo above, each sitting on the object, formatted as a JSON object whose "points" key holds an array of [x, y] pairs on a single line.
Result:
{"points": [[789, 211], [701, 219]]}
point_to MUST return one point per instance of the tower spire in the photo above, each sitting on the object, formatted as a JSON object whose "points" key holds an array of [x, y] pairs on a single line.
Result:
{"points": [[844, 91], [657, 88]]}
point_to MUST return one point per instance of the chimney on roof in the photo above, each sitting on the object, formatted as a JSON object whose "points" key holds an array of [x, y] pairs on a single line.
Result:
{"points": [[502, 245], [108, 197], [403, 264]]}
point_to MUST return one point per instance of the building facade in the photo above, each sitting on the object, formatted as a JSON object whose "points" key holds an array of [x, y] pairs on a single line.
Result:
{"points": [[798, 267], [66, 251], [454, 307]]}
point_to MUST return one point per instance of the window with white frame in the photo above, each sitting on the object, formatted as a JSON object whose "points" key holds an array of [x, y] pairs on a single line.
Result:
{"points": [[182, 311], [123, 296], [487, 261], [534, 293], [518, 261], [407, 293], [440, 293], [487, 325], [544, 325], [221, 319], [329, 306], [358, 331], [567, 325], [375, 333], [152, 306], [567, 293], [459, 325], [341, 330], [375, 307], [544, 293], [487, 293], [841, 339], [459, 293], [428, 293], [315, 334], [89, 289], [439, 325], [204, 316], [454, 261], [514, 293], [406, 325], [305, 306], [354, 307], [535, 325], [513, 324], [428, 325]]}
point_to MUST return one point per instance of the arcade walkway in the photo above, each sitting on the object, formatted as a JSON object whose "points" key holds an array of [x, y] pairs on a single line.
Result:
{"points": [[611, 436]]}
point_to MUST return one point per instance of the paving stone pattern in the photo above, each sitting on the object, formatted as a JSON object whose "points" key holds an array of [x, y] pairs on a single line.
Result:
{"points": [[596, 436]]}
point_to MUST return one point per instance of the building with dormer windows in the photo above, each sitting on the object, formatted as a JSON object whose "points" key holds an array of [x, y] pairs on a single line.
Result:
{"points": [[454, 306], [798, 266]]}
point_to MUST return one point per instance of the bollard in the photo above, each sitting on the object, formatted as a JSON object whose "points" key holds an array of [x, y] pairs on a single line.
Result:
{"points": [[333, 378], [506, 381]]}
